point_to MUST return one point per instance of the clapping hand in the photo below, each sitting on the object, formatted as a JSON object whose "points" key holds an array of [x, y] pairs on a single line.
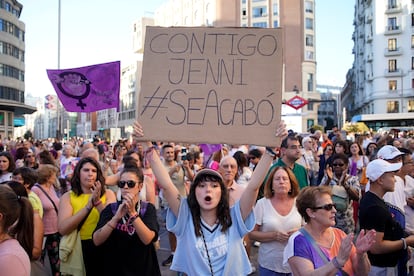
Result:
{"points": [[365, 240]]}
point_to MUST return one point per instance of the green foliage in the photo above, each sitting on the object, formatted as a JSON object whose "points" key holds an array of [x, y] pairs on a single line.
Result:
{"points": [[28, 134], [356, 127]]}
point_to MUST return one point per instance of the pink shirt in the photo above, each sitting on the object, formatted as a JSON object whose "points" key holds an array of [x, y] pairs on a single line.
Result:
{"points": [[50, 217], [235, 193], [13, 259]]}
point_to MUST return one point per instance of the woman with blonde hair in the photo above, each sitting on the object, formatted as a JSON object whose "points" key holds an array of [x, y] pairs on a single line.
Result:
{"points": [[276, 220]]}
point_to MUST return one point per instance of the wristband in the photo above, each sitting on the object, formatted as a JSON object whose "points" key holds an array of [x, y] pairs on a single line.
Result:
{"points": [[336, 263], [95, 204], [270, 151], [404, 243], [133, 218]]}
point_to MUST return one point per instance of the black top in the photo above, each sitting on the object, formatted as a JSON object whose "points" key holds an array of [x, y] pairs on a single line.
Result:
{"points": [[124, 253], [374, 214]]}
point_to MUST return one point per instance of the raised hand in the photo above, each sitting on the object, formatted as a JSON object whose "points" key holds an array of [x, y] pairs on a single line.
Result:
{"points": [[345, 249], [365, 240]]}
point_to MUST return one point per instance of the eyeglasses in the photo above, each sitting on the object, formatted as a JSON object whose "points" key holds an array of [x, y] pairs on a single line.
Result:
{"points": [[327, 207], [29, 156], [338, 164], [130, 183]]}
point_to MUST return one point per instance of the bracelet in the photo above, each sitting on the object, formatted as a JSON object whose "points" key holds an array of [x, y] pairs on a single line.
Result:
{"points": [[336, 263], [95, 204], [270, 151], [133, 218], [404, 243]]}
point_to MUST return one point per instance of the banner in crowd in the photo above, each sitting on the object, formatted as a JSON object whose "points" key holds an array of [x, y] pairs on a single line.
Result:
{"points": [[211, 85], [87, 89]]}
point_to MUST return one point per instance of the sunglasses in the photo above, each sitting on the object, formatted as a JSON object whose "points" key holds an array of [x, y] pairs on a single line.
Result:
{"points": [[130, 183], [338, 164], [327, 207], [29, 156]]}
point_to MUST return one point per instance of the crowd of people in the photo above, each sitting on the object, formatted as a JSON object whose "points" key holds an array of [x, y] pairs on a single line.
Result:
{"points": [[318, 204]]}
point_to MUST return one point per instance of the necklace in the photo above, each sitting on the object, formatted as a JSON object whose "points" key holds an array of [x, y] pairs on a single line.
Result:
{"points": [[208, 255]]}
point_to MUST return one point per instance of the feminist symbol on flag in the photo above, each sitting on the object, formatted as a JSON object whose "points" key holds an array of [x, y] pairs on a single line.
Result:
{"points": [[74, 85]]}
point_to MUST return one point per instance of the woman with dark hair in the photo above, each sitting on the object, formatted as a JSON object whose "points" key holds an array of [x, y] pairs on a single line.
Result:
{"points": [[320, 249], [27, 178], [7, 166], [323, 161], [129, 226], [244, 173], [371, 151], [207, 229], [16, 233], [276, 220], [345, 189], [30, 160], [82, 205]]}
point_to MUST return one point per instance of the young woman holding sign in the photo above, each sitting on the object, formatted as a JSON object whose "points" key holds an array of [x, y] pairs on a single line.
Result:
{"points": [[207, 229]]}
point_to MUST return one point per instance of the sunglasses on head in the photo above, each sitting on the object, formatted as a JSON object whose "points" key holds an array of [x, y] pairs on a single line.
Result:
{"points": [[130, 183], [327, 207]]}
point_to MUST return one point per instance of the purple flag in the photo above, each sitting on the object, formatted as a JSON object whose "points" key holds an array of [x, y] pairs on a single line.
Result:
{"points": [[209, 149], [87, 89]]}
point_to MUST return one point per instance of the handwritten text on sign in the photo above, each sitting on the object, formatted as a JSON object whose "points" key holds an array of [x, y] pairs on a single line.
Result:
{"points": [[219, 85]]}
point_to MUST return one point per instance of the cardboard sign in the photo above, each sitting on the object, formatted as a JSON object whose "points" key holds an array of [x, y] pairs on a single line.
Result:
{"points": [[211, 85]]}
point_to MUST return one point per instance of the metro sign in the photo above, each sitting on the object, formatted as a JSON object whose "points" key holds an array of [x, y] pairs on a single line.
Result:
{"points": [[297, 102]]}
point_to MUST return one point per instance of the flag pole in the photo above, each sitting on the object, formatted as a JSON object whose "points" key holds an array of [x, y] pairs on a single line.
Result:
{"points": [[58, 66]]}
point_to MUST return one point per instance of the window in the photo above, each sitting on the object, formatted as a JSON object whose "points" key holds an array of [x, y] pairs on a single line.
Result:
{"points": [[412, 20], [275, 9], [310, 82], [308, 6], [244, 12], [412, 62], [392, 4], [309, 55], [275, 24], [392, 85], [392, 107], [259, 11], [309, 40], [392, 65], [412, 83], [392, 23], [410, 106], [412, 41], [260, 24], [1, 118], [309, 23], [310, 123], [392, 44]]}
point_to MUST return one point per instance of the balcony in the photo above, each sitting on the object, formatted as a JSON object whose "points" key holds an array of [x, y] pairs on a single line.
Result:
{"points": [[390, 9], [370, 57], [395, 73], [370, 76], [369, 38], [368, 18], [392, 30], [396, 52]]}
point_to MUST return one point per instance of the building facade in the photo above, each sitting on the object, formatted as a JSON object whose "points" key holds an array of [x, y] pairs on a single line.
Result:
{"points": [[12, 50], [381, 80]]}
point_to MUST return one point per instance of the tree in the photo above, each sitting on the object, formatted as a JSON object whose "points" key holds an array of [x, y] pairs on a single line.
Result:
{"points": [[28, 134]]}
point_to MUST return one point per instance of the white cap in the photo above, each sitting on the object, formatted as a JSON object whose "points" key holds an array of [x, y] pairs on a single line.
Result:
{"points": [[388, 152], [378, 167]]}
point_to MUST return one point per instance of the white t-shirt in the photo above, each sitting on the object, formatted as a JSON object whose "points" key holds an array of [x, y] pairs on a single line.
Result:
{"points": [[271, 253], [397, 198]]}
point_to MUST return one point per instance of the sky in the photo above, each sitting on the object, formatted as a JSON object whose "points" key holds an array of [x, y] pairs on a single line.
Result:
{"points": [[99, 31]]}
